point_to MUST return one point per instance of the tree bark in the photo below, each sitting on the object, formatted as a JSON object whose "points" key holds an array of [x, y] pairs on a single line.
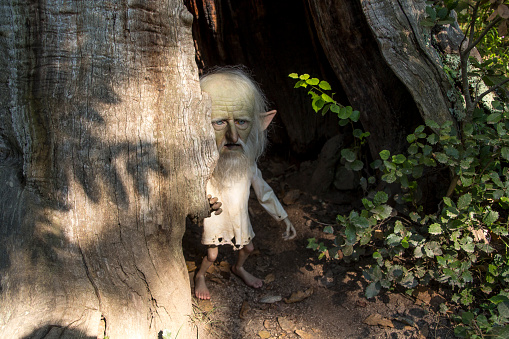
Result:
{"points": [[105, 146]]}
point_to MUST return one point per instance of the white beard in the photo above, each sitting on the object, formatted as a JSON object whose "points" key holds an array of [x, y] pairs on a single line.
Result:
{"points": [[233, 166]]}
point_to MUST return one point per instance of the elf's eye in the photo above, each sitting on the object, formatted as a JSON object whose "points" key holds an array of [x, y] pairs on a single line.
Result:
{"points": [[219, 124], [242, 124]]}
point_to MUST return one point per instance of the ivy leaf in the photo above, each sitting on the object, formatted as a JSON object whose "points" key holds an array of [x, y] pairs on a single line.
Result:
{"points": [[304, 77], [293, 75], [335, 108]]}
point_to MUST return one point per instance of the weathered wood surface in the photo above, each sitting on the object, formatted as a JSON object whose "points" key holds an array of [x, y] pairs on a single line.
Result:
{"points": [[105, 146]]}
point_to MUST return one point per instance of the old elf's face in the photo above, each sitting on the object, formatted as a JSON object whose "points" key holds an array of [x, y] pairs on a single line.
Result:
{"points": [[232, 115]]}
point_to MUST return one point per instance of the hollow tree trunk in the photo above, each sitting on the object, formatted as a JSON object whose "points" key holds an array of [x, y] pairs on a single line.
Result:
{"points": [[374, 52], [105, 145]]}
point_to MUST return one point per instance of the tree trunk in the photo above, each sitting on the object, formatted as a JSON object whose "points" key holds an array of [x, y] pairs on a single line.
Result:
{"points": [[105, 146], [376, 55]]}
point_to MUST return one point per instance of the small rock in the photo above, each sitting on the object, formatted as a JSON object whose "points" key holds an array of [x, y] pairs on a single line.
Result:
{"points": [[264, 334], [291, 197], [376, 319], [309, 223], [266, 323], [270, 299]]}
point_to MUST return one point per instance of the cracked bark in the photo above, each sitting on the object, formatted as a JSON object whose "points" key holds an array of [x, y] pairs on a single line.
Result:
{"points": [[103, 135]]}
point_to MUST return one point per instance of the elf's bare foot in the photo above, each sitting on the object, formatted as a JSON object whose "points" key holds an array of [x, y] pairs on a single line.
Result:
{"points": [[200, 288], [249, 279]]}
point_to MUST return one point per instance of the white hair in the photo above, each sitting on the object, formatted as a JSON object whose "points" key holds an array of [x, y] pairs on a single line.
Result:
{"points": [[257, 139]]}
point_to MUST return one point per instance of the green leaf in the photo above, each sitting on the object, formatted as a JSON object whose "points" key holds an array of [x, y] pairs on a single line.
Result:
{"points": [[304, 77], [326, 98], [441, 157], [373, 289], [380, 198], [411, 138], [432, 124], [435, 229], [427, 22], [467, 317], [503, 309], [355, 116], [493, 118], [317, 103], [293, 75], [335, 108], [300, 83], [357, 165], [464, 201], [432, 139], [431, 12], [490, 217], [328, 229], [385, 154], [324, 85], [505, 153], [313, 81], [345, 112], [348, 154], [360, 222], [398, 159], [351, 235]]}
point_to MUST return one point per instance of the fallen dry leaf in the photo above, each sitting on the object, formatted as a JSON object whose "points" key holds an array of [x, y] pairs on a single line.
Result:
{"points": [[244, 310], [205, 305], [191, 266], [269, 278], [376, 319], [299, 296], [264, 334]]}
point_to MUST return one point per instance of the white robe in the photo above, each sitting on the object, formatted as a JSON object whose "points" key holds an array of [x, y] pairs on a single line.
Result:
{"points": [[233, 226]]}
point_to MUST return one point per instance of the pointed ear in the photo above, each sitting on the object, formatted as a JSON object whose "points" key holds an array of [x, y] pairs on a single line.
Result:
{"points": [[267, 118]]}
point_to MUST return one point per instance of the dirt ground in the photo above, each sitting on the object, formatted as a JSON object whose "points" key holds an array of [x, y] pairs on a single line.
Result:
{"points": [[307, 297]]}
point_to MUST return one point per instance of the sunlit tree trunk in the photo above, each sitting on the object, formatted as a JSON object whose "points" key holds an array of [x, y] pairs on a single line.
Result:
{"points": [[105, 147]]}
